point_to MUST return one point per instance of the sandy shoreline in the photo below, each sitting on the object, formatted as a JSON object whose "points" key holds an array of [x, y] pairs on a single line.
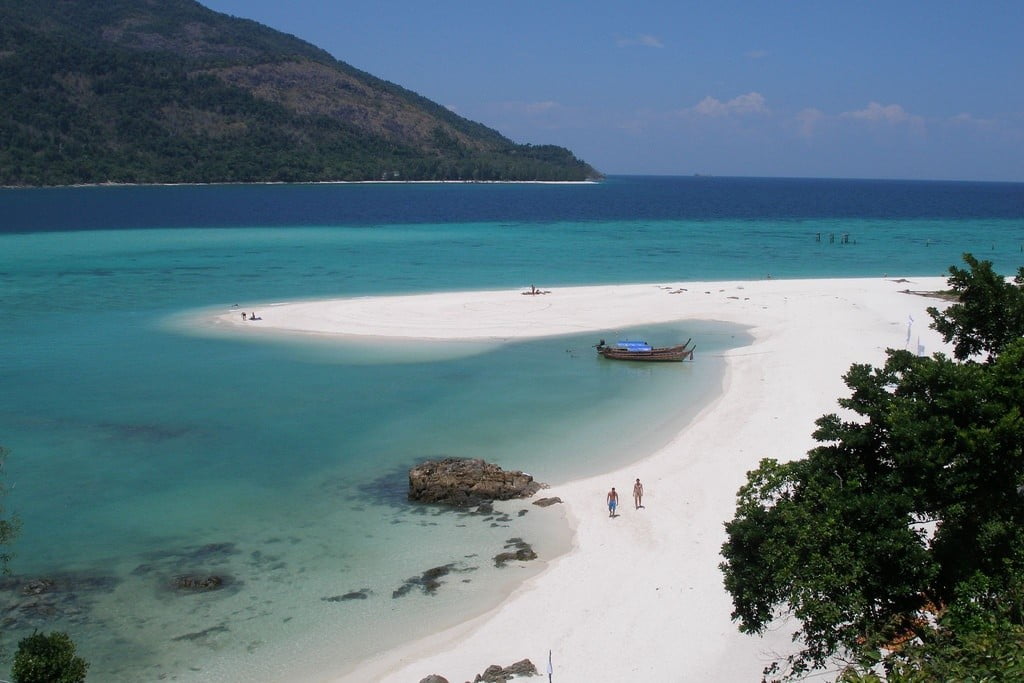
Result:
{"points": [[640, 597]]}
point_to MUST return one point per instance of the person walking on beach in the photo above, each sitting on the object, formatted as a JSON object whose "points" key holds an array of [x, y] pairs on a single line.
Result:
{"points": [[638, 494], [613, 502]]}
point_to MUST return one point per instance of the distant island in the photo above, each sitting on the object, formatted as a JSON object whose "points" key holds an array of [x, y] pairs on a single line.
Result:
{"points": [[132, 91]]}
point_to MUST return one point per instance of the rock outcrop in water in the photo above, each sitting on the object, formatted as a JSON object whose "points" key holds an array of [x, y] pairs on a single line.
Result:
{"points": [[467, 482]]}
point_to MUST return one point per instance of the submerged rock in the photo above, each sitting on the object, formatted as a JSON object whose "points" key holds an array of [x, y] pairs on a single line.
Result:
{"points": [[194, 583], [38, 586], [429, 581], [361, 594], [522, 551], [38, 603], [205, 633], [467, 482]]}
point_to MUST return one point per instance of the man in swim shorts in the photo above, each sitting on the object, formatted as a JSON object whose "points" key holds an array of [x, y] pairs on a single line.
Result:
{"points": [[613, 502]]}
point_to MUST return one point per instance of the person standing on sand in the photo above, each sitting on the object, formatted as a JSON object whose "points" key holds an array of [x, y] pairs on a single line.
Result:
{"points": [[613, 502], [638, 494]]}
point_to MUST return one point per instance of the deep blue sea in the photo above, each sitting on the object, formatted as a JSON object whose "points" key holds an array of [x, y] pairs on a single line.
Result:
{"points": [[140, 452]]}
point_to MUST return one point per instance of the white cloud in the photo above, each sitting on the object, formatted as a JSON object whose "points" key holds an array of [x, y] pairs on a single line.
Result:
{"points": [[965, 119], [892, 113], [643, 40], [751, 103], [808, 119]]}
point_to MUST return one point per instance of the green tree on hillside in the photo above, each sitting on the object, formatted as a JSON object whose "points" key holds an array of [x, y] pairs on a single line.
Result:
{"points": [[899, 540]]}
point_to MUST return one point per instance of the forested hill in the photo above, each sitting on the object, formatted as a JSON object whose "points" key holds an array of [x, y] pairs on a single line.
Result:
{"points": [[159, 91]]}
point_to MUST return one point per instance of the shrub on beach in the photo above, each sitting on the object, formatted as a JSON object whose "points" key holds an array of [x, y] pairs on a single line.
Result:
{"points": [[48, 659], [898, 542]]}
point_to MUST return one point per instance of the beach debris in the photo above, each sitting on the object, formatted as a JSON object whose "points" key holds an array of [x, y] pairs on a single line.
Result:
{"points": [[497, 674], [522, 552], [466, 482], [545, 502], [941, 295], [434, 678]]}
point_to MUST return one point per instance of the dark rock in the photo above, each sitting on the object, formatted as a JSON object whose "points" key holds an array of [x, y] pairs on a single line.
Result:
{"points": [[186, 558], [522, 551], [38, 586], [199, 635], [467, 482], [492, 674], [497, 674], [428, 581], [40, 602], [524, 667], [361, 594], [434, 678], [544, 502], [194, 583]]}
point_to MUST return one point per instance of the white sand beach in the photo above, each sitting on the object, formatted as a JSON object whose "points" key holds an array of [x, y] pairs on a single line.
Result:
{"points": [[639, 597]]}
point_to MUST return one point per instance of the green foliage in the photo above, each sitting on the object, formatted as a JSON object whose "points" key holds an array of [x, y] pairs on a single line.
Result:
{"points": [[127, 91], [989, 313], [48, 659], [897, 542], [9, 526]]}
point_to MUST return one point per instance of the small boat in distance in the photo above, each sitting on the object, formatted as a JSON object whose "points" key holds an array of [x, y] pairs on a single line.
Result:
{"points": [[639, 350]]}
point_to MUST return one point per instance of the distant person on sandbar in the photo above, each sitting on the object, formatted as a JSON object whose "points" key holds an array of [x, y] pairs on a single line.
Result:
{"points": [[638, 494], [613, 502]]}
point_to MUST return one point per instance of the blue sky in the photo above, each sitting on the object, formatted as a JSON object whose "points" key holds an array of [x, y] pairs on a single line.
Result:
{"points": [[926, 90]]}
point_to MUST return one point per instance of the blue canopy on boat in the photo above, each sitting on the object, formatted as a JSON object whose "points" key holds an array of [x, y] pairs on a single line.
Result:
{"points": [[634, 345]]}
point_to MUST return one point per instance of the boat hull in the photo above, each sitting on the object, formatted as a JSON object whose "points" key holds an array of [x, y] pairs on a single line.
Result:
{"points": [[665, 354]]}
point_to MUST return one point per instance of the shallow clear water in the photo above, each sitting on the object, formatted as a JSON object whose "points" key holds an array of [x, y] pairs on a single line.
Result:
{"points": [[140, 452]]}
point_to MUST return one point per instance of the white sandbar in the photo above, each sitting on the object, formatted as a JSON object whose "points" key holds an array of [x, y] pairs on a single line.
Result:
{"points": [[640, 596]]}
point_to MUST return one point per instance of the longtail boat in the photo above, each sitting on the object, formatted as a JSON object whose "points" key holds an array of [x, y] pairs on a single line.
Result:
{"points": [[639, 350]]}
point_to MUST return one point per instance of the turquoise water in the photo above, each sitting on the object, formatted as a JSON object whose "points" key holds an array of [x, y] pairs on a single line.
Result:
{"points": [[140, 452]]}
